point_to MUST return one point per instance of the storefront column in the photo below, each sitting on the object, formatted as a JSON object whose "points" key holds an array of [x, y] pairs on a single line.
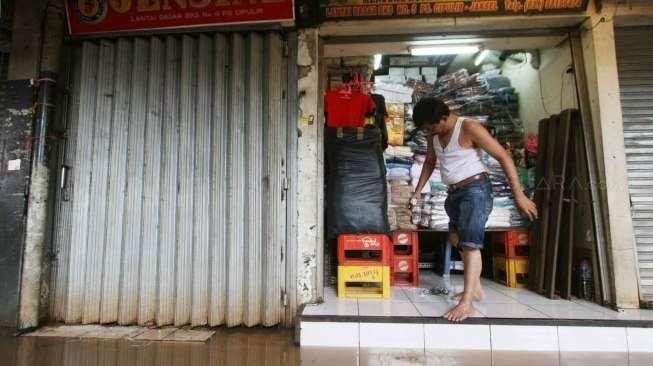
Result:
{"points": [[36, 264], [310, 166], [603, 88]]}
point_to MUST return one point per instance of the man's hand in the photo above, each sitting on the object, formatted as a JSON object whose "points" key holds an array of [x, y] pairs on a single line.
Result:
{"points": [[526, 207], [414, 199]]}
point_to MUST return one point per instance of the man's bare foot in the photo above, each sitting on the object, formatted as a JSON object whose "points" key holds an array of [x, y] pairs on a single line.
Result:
{"points": [[460, 312], [478, 296]]}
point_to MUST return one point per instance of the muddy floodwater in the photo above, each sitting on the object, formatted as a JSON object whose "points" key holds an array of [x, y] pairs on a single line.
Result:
{"points": [[227, 347]]}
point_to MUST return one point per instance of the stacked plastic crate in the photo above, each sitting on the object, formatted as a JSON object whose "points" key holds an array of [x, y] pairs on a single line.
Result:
{"points": [[405, 258], [510, 250], [364, 266]]}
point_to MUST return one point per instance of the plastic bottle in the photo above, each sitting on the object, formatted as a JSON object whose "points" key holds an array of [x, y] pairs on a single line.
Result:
{"points": [[586, 282]]}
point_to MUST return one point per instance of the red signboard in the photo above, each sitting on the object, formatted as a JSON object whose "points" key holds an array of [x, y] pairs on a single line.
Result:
{"points": [[102, 16]]}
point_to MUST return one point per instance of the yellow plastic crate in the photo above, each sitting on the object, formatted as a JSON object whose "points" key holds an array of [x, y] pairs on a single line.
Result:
{"points": [[510, 272], [364, 282]]}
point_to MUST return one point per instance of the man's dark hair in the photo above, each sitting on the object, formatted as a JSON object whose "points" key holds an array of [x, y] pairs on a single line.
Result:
{"points": [[429, 111]]}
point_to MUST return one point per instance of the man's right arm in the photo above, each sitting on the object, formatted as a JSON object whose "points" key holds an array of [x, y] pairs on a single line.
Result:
{"points": [[427, 169]]}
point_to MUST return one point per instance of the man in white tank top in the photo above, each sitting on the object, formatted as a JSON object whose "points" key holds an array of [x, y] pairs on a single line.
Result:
{"points": [[457, 143]]}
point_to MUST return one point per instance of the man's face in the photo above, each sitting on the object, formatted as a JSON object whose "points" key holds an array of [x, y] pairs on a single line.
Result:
{"points": [[436, 128]]}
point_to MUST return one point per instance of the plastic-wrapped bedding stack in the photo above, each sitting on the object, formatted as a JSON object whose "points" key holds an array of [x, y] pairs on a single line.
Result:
{"points": [[394, 93], [357, 190], [420, 89], [504, 212], [487, 97], [428, 212], [399, 161], [505, 103], [418, 142]]}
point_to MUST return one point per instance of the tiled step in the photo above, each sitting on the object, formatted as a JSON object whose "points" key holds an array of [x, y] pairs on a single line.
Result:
{"points": [[423, 338]]}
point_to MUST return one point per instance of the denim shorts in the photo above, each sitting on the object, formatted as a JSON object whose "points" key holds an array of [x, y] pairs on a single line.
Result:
{"points": [[468, 209]]}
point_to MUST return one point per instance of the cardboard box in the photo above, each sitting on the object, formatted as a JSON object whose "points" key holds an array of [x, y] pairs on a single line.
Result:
{"points": [[399, 61], [396, 71], [429, 70], [413, 73]]}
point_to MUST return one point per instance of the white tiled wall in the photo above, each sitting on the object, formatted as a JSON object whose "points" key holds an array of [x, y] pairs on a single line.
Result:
{"points": [[392, 335], [461, 337], [457, 336], [329, 334], [592, 339], [520, 338]]}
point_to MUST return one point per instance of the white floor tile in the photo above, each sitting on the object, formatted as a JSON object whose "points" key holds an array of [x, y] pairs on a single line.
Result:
{"points": [[399, 294], [592, 339], [457, 337], [438, 309], [495, 297], [524, 338], [329, 356], [386, 308], [330, 294], [593, 359], [569, 310], [329, 334], [528, 297], [391, 356], [487, 283], [440, 357], [633, 314], [641, 359], [343, 307], [508, 311], [622, 314], [514, 358], [391, 335], [421, 295], [432, 309], [640, 340]]}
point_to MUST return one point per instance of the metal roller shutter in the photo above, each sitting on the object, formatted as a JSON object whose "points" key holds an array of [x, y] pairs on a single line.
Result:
{"points": [[635, 60], [174, 212]]}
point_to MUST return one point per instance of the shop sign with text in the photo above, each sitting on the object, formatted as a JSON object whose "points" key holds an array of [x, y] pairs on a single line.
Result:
{"points": [[102, 16], [371, 9]]}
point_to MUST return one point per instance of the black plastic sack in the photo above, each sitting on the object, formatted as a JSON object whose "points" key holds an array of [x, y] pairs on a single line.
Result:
{"points": [[357, 200]]}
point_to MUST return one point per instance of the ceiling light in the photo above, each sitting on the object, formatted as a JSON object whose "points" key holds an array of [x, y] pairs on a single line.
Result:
{"points": [[481, 56], [444, 50], [447, 41], [377, 61]]}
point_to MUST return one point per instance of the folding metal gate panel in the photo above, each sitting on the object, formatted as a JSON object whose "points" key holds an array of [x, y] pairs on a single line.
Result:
{"points": [[172, 210], [635, 57]]}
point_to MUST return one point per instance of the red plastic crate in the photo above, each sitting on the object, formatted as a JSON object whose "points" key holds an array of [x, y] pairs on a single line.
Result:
{"points": [[511, 244], [405, 270], [405, 243], [364, 250], [405, 238], [405, 258]]}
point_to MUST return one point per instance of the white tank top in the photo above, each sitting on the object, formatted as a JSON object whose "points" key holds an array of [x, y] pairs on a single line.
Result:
{"points": [[456, 163]]}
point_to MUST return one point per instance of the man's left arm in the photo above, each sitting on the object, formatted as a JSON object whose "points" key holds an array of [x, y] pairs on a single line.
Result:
{"points": [[482, 138]]}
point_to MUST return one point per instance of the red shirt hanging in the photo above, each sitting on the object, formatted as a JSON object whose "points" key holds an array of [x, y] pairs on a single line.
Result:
{"points": [[347, 110]]}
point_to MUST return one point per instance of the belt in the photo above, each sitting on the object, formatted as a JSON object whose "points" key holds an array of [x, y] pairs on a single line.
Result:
{"points": [[466, 181]]}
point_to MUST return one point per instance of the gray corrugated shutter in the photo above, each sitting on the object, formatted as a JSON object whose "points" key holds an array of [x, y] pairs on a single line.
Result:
{"points": [[635, 60], [173, 210]]}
